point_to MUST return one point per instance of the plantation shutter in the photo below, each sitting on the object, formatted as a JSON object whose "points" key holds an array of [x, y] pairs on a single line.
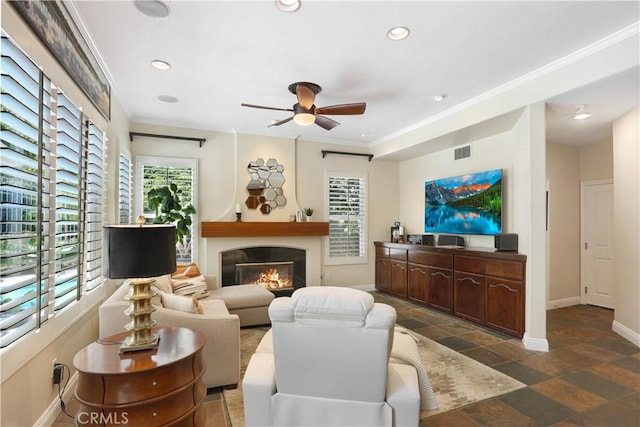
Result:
{"points": [[94, 211], [25, 169], [124, 189], [51, 193], [68, 189], [347, 218]]}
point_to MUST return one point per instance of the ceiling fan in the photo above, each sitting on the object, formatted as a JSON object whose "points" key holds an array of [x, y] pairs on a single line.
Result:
{"points": [[306, 113]]}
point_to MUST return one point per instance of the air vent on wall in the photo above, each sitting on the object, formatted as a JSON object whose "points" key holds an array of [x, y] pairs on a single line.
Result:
{"points": [[462, 152]]}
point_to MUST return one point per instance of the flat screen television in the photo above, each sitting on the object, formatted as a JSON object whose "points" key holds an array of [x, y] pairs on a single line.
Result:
{"points": [[466, 204]]}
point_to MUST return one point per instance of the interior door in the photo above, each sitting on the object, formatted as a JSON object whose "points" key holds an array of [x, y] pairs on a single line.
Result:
{"points": [[597, 243]]}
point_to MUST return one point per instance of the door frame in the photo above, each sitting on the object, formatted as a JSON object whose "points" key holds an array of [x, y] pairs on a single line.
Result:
{"points": [[583, 263]]}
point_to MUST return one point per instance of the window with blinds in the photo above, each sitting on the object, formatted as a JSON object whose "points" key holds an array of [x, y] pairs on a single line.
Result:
{"points": [[124, 190], [68, 162], [154, 172], [45, 177], [347, 203], [93, 206]]}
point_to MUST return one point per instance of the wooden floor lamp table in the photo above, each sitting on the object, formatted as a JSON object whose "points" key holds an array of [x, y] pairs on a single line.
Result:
{"points": [[158, 387]]}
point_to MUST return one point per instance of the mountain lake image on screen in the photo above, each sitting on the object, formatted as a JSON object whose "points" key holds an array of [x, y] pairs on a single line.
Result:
{"points": [[466, 204]]}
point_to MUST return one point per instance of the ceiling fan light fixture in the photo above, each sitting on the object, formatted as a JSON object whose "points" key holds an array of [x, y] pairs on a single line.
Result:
{"points": [[398, 33], [580, 113], [304, 119], [288, 5], [581, 116], [152, 8]]}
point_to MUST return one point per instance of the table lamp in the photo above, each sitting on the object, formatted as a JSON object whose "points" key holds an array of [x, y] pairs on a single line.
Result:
{"points": [[139, 253]]}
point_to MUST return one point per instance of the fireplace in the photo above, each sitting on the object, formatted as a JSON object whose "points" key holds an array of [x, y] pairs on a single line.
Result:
{"points": [[280, 270], [269, 275]]}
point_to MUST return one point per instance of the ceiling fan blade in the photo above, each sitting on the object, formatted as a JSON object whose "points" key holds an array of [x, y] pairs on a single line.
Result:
{"points": [[305, 95], [281, 122], [343, 109], [325, 122], [266, 108]]}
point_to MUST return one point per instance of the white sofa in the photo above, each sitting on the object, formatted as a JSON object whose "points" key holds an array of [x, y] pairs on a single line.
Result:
{"points": [[221, 329], [326, 362]]}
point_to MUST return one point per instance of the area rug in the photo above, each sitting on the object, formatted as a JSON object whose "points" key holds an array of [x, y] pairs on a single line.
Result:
{"points": [[456, 379]]}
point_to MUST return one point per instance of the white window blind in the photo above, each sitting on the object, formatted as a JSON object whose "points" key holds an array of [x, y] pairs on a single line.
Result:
{"points": [[68, 194], [25, 100], [347, 203], [124, 190], [45, 181], [95, 200]]}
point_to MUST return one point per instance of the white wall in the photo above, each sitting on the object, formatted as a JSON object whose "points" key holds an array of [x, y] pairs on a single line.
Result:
{"points": [[563, 175], [626, 227], [383, 201], [596, 161], [495, 152], [567, 167]]}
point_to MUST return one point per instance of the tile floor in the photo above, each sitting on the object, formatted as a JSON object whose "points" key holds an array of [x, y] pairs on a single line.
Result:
{"points": [[590, 377]]}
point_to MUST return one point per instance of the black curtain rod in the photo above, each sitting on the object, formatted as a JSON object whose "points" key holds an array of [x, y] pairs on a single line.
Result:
{"points": [[154, 135], [325, 152]]}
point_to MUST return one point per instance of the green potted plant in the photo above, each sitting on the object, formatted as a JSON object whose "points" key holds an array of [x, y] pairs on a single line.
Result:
{"points": [[169, 210], [307, 213]]}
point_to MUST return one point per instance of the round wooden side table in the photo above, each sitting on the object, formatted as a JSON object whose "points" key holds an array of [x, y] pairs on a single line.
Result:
{"points": [[159, 387]]}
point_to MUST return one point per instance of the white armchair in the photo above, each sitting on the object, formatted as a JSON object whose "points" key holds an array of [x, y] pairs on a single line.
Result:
{"points": [[221, 351], [326, 362]]}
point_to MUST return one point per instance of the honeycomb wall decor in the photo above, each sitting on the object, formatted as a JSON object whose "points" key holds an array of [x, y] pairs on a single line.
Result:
{"points": [[265, 185]]}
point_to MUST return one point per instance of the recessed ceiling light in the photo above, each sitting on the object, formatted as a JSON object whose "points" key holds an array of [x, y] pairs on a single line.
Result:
{"points": [[152, 8], [288, 5], [439, 97], [168, 98], [398, 33], [160, 64]]}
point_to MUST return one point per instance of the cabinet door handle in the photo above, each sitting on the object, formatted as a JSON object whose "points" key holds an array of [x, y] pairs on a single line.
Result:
{"points": [[475, 282], [440, 273], [502, 285]]}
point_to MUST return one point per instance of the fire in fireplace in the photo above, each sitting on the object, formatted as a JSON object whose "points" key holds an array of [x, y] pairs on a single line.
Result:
{"points": [[279, 269], [269, 275]]}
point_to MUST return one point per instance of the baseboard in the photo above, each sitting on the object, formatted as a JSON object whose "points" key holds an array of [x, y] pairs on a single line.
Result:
{"points": [[50, 415], [563, 302], [535, 344], [626, 333], [366, 288]]}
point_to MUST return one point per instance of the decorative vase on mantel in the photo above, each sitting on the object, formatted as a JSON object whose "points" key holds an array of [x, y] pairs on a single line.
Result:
{"points": [[307, 214]]}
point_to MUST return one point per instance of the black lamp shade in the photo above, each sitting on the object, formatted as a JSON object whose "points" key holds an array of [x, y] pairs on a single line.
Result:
{"points": [[132, 251]]}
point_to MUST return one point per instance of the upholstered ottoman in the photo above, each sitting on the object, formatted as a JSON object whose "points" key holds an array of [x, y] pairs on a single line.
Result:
{"points": [[249, 302]]}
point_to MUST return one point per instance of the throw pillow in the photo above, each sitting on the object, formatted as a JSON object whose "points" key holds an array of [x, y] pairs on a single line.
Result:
{"points": [[195, 287], [180, 303], [164, 283], [186, 271]]}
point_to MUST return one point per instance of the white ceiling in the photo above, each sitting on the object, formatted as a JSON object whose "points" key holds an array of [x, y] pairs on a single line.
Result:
{"points": [[224, 53]]}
